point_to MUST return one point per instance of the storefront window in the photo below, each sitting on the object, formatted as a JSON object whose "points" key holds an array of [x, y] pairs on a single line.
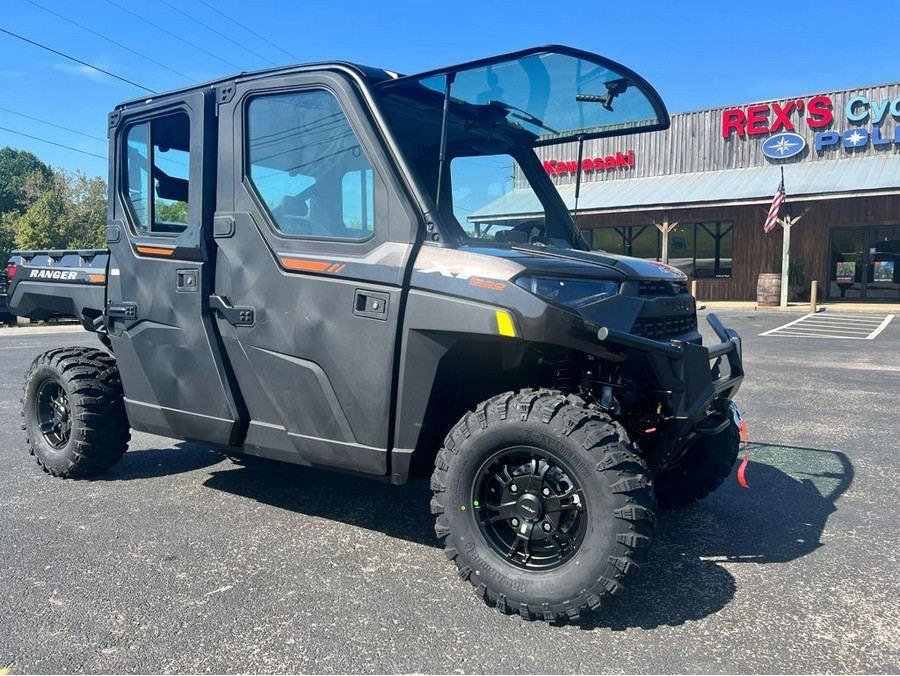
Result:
{"points": [[641, 241], [645, 242], [714, 245], [701, 250]]}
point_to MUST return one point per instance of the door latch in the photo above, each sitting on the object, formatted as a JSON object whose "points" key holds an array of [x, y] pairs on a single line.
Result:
{"points": [[123, 310], [235, 315], [371, 304]]}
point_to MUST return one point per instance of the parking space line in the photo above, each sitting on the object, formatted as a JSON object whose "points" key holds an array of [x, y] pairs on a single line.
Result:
{"points": [[841, 326], [818, 335], [796, 321], [887, 320]]}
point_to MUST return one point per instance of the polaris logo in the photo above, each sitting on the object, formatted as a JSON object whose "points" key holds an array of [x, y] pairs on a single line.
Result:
{"points": [[678, 305], [53, 274]]}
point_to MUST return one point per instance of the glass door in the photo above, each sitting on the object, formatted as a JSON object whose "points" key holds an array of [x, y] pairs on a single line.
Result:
{"points": [[883, 275], [865, 264], [846, 272]]}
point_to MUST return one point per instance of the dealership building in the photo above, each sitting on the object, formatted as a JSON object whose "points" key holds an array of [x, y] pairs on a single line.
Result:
{"points": [[697, 194]]}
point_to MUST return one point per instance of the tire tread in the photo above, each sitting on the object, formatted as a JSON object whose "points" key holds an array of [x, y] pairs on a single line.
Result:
{"points": [[615, 458]]}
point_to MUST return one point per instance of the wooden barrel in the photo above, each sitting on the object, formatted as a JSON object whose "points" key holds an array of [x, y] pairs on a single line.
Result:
{"points": [[768, 289]]}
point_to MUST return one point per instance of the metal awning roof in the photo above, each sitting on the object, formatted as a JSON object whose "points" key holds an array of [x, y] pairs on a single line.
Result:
{"points": [[802, 182]]}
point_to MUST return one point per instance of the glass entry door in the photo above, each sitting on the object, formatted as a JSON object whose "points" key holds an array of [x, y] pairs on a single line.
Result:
{"points": [[865, 263]]}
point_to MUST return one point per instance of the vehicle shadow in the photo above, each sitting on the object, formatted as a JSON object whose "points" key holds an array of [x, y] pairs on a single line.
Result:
{"points": [[780, 518], [156, 462], [400, 512]]}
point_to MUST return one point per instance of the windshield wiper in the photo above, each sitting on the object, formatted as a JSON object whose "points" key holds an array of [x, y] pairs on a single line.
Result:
{"points": [[523, 115]]}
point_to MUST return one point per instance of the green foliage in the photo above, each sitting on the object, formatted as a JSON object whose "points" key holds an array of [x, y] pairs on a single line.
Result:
{"points": [[43, 226], [171, 212], [47, 209], [17, 169]]}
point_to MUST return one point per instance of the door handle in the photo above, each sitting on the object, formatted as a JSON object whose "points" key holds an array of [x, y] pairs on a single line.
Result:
{"points": [[371, 304]]}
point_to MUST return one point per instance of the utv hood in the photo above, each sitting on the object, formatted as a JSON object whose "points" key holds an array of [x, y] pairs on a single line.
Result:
{"points": [[563, 262]]}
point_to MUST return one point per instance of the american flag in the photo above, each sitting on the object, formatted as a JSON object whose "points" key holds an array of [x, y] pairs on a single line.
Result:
{"points": [[772, 218]]}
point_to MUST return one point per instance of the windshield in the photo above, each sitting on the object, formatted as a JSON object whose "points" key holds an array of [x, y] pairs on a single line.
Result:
{"points": [[555, 93], [479, 181], [487, 159], [469, 132]]}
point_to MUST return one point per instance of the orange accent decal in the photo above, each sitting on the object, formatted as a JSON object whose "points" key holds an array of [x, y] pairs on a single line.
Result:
{"points": [[486, 284], [333, 268], [309, 266], [155, 251], [339, 268], [98, 278]]}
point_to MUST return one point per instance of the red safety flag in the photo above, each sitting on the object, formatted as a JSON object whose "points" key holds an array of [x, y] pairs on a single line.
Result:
{"points": [[742, 470], [772, 218]]}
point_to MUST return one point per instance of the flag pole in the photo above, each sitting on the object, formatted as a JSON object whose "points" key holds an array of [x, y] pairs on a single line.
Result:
{"points": [[785, 251]]}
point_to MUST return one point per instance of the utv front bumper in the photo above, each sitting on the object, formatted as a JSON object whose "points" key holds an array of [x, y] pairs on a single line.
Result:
{"points": [[690, 378]]}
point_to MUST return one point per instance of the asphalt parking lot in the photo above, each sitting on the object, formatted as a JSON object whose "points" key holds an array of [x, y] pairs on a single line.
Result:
{"points": [[178, 560]]}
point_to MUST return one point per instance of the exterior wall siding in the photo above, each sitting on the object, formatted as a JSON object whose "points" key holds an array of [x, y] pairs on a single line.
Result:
{"points": [[756, 252], [694, 142]]}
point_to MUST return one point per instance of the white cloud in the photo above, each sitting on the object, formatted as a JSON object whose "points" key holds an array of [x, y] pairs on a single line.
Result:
{"points": [[80, 70]]}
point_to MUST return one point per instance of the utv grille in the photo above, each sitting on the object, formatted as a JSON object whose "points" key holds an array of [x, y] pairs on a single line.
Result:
{"points": [[663, 327], [662, 287]]}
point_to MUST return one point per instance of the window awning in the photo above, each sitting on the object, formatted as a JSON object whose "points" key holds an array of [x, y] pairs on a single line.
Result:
{"points": [[806, 181]]}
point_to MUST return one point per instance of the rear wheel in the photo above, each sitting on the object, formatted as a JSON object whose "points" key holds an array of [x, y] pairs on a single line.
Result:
{"points": [[74, 413], [542, 504], [702, 469]]}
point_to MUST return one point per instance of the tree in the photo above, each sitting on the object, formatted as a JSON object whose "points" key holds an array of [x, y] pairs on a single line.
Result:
{"points": [[171, 212], [45, 225], [86, 202], [68, 211], [17, 168]]}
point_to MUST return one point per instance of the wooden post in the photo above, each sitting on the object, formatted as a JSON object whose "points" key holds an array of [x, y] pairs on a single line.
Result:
{"points": [[665, 239], [665, 228], [813, 295], [785, 259]]}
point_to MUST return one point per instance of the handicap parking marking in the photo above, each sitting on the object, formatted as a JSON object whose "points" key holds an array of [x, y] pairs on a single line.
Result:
{"points": [[846, 326]]}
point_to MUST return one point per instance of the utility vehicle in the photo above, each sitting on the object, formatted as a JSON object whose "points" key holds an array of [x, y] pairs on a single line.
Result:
{"points": [[338, 266]]}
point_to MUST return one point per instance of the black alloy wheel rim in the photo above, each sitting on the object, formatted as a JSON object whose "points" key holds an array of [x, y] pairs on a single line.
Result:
{"points": [[54, 414], [529, 509]]}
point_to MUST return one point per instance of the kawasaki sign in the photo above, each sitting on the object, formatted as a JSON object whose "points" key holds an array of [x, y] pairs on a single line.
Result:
{"points": [[618, 161]]}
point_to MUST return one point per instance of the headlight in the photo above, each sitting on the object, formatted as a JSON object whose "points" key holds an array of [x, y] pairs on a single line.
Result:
{"points": [[571, 292]]}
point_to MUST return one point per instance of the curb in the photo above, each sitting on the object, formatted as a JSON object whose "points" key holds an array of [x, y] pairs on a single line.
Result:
{"points": [[12, 331]]}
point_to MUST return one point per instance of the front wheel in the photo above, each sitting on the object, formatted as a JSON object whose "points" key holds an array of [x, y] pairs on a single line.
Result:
{"points": [[542, 504], [74, 413]]}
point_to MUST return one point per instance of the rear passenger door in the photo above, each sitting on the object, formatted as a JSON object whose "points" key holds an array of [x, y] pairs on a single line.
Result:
{"points": [[314, 239], [160, 276]]}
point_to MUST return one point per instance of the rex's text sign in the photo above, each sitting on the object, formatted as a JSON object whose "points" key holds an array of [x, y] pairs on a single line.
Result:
{"points": [[864, 119]]}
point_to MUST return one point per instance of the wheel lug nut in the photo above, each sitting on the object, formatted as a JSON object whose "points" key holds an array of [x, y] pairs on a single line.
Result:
{"points": [[513, 488], [546, 527], [515, 522], [546, 492]]}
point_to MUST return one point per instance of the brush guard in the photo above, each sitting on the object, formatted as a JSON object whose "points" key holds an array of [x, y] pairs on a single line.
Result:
{"points": [[699, 396]]}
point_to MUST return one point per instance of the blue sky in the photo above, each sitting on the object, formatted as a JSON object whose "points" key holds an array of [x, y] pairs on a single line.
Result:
{"points": [[697, 54]]}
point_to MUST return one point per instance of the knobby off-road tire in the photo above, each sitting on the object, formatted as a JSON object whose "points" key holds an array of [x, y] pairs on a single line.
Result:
{"points": [[705, 465], [542, 504], [74, 413]]}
